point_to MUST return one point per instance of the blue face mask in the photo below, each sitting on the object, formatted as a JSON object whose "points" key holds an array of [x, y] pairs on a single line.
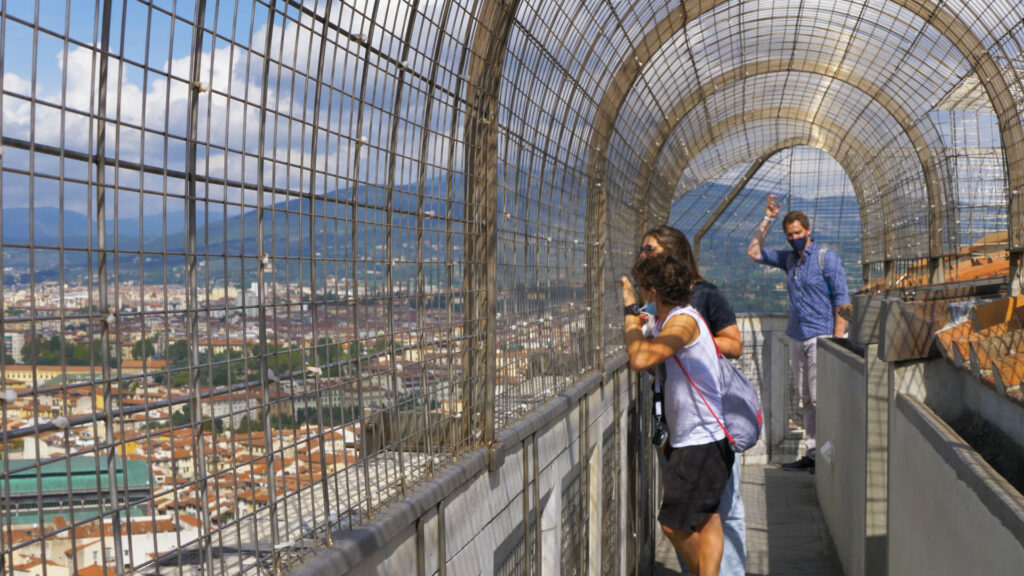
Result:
{"points": [[798, 244]]}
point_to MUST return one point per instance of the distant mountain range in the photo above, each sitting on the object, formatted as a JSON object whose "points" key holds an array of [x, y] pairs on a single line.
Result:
{"points": [[45, 227], [751, 287], [286, 229], [287, 232]]}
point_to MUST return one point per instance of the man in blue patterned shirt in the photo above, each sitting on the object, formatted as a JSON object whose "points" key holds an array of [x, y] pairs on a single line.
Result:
{"points": [[818, 302]]}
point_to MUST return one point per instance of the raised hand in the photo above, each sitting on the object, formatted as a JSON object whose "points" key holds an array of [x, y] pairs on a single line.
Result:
{"points": [[771, 209], [628, 294]]}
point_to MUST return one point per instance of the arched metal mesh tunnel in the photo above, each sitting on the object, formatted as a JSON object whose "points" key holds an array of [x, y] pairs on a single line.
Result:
{"points": [[271, 267]]}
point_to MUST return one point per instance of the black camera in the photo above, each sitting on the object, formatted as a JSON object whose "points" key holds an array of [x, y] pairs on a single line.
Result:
{"points": [[660, 435]]}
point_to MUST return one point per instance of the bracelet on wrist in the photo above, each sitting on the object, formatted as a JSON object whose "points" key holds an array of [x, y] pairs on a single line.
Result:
{"points": [[768, 218]]}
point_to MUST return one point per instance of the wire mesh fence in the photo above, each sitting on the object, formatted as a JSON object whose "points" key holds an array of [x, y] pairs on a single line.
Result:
{"points": [[258, 284], [235, 239]]}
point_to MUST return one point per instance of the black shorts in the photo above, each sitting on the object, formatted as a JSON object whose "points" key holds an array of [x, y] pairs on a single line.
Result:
{"points": [[694, 481]]}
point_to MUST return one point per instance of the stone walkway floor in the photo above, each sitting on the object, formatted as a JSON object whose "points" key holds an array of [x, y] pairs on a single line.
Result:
{"points": [[786, 533]]}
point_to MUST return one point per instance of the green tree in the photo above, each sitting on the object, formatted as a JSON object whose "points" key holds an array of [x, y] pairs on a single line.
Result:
{"points": [[54, 351], [221, 370], [177, 354], [180, 378], [355, 349], [41, 351], [143, 349], [182, 417], [247, 425], [84, 353], [285, 361], [282, 421], [217, 426]]}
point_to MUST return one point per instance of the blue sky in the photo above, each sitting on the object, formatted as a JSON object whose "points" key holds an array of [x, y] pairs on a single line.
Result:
{"points": [[154, 44], [147, 88]]}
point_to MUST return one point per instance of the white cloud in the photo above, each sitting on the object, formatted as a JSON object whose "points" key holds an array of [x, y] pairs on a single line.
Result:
{"points": [[229, 115], [15, 84]]}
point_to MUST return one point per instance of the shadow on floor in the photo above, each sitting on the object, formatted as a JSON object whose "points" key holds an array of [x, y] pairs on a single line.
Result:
{"points": [[798, 539], [786, 532]]}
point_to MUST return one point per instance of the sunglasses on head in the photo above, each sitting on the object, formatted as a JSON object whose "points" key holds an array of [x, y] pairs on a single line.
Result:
{"points": [[648, 248]]}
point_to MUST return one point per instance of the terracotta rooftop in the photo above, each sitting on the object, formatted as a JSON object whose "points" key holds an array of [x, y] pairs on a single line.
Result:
{"points": [[986, 258], [96, 570], [990, 344]]}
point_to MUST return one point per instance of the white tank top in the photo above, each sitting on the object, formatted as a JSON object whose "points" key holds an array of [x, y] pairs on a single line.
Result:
{"points": [[690, 423]]}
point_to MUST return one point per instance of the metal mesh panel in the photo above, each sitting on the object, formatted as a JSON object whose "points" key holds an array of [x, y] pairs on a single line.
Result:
{"points": [[978, 172], [248, 297], [803, 179], [235, 283], [890, 166], [731, 45], [610, 541], [516, 563], [624, 229], [574, 526], [542, 237]]}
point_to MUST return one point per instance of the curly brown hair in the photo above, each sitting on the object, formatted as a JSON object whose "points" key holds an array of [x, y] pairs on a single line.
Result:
{"points": [[670, 277], [675, 243], [796, 216]]}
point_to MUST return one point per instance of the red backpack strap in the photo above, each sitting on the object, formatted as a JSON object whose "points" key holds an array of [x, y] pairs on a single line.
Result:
{"points": [[699, 393]]}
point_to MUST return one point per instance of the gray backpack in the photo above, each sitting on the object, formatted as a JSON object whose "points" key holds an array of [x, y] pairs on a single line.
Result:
{"points": [[741, 409]]}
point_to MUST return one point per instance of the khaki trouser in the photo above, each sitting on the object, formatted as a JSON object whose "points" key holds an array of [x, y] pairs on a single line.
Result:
{"points": [[803, 356]]}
